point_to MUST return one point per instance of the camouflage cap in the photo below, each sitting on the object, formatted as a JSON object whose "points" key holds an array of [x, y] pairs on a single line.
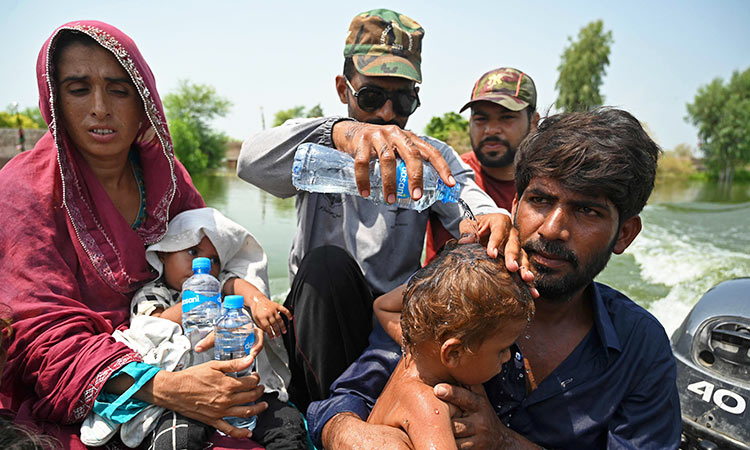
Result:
{"points": [[506, 87], [382, 42]]}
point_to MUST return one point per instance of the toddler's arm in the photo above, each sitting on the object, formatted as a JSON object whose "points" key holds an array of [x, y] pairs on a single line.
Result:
{"points": [[155, 299], [266, 313], [173, 313], [431, 426], [387, 309], [426, 419]]}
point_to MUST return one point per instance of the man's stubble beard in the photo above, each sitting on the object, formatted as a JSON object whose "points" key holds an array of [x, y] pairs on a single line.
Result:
{"points": [[562, 289], [504, 161]]}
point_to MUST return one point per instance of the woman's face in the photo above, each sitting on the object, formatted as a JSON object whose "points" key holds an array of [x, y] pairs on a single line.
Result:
{"points": [[100, 107]]}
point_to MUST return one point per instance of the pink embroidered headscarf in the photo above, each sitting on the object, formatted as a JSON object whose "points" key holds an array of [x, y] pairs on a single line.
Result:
{"points": [[69, 261]]}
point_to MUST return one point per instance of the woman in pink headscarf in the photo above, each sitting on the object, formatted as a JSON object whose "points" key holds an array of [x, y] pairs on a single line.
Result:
{"points": [[77, 213]]}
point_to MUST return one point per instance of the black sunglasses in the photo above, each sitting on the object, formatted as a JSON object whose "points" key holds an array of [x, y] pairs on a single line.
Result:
{"points": [[371, 98]]}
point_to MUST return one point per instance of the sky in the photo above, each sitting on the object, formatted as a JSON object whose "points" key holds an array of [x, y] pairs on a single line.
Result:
{"points": [[268, 56]]}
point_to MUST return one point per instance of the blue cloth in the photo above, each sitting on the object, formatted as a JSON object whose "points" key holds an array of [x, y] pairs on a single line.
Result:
{"points": [[616, 390], [122, 408]]}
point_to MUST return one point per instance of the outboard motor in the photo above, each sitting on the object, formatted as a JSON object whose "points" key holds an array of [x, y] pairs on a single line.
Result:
{"points": [[712, 350]]}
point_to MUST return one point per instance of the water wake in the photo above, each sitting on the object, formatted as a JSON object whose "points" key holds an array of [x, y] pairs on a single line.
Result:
{"points": [[687, 250]]}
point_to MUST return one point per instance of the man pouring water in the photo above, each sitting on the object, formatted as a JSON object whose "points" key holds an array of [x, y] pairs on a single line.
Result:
{"points": [[347, 249]]}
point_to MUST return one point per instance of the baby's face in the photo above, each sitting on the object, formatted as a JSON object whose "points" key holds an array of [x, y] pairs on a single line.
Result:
{"points": [[178, 266], [481, 364]]}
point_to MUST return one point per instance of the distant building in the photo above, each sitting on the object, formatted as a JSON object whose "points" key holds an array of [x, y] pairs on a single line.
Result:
{"points": [[698, 163], [233, 152]]}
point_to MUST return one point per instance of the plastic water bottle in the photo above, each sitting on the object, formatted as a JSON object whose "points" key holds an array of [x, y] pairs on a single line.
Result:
{"points": [[322, 169], [201, 306], [235, 336]]}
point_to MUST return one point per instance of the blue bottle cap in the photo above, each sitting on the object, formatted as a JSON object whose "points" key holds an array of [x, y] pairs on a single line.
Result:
{"points": [[201, 264], [234, 301]]}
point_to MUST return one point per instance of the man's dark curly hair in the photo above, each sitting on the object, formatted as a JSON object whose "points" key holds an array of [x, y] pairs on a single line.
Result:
{"points": [[604, 151]]}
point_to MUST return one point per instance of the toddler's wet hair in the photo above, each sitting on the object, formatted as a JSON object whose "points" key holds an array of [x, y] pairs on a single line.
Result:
{"points": [[462, 293]]}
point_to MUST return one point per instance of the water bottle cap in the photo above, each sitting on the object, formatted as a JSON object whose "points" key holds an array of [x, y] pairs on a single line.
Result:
{"points": [[202, 264], [234, 301]]}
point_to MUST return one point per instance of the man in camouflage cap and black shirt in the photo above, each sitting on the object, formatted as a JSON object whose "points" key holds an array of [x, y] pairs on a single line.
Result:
{"points": [[347, 249], [503, 113]]}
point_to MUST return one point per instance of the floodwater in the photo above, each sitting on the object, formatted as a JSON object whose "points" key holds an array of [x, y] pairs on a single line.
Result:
{"points": [[694, 236]]}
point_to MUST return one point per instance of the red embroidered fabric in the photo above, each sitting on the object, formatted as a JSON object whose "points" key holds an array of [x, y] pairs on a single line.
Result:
{"points": [[69, 262]]}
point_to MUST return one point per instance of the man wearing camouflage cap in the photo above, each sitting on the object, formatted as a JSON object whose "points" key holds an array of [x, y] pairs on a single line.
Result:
{"points": [[385, 43], [503, 113], [347, 249]]}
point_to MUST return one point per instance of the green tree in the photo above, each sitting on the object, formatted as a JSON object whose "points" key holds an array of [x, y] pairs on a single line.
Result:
{"points": [[190, 110], [10, 120], [285, 114], [676, 163], [7, 120], [315, 111], [683, 151], [452, 129], [722, 114], [34, 114], [298, 111], [28, 118], [582, 69], [187, 146]]}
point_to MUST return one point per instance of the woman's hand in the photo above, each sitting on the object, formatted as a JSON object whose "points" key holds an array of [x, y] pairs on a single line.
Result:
{"points": [[207, 343], [267, 315], [206, 393]]}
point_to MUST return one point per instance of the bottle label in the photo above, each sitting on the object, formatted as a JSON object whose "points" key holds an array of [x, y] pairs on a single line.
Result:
{"points": [[402, 180], [447, 194], [249, 342], [191, 299]]}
